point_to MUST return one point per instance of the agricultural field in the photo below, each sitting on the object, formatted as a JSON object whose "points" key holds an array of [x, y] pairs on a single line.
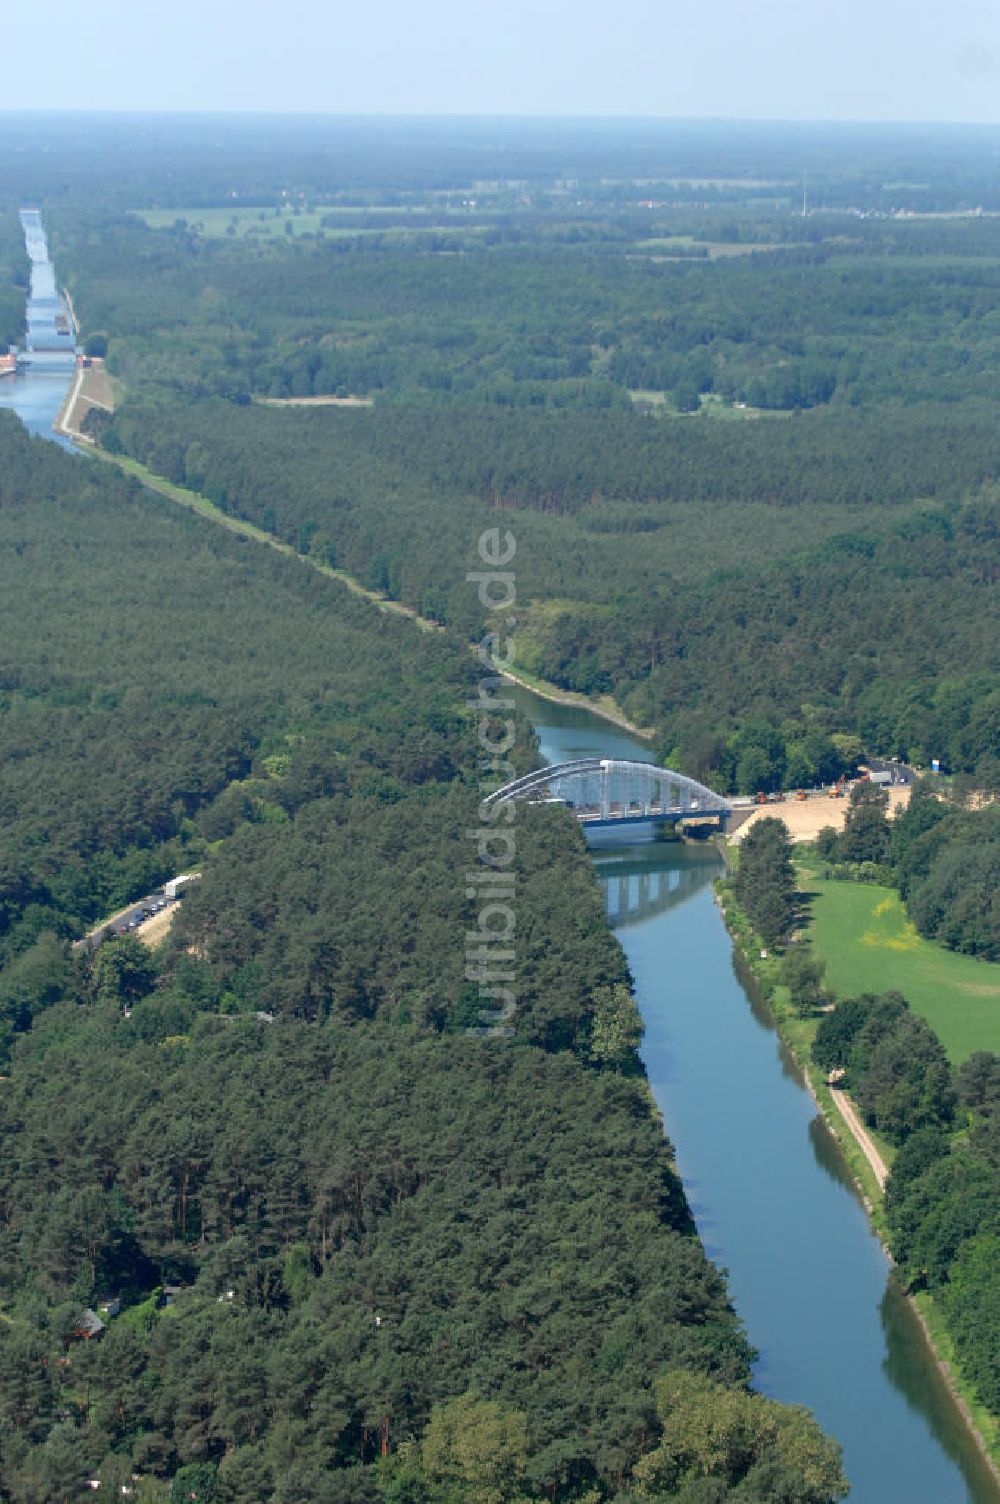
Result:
{"points": [[254, 222], [245, 222]]}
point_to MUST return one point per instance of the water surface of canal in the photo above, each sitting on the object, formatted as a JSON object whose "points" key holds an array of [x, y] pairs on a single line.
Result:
{"points": [[37, 391], [764, 1177]]}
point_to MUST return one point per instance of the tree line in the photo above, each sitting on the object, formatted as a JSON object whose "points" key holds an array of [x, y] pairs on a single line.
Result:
{"points": [[943, 858], [943, 1192], [13, 280]]}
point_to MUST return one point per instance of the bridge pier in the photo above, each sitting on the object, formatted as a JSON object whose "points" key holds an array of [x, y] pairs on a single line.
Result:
{"points": [[700, 832]]}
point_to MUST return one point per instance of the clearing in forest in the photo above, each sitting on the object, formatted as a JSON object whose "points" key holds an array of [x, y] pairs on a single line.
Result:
{"points": [[862, 932]]}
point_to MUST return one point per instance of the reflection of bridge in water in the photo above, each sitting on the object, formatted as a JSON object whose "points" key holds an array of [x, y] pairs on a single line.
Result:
{"points": [[636, 890], [618, 791]]}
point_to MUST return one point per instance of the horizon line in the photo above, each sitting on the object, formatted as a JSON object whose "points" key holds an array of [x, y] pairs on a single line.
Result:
{"points": [[505, 117]]}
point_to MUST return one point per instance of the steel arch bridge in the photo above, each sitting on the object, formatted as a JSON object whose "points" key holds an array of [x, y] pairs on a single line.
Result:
{"points": [[616, 791]]}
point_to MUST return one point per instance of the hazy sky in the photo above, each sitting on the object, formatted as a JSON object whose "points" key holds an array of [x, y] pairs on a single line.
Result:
{"points": [[770, 59]]}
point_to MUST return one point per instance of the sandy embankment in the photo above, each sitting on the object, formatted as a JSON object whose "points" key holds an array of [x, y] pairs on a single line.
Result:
{"points": [[154, 931], [805, 818]]}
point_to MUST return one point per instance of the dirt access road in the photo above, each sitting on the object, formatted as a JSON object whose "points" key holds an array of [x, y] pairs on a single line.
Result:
{"points": [[862, 1138], [92, 387], [315, 401]]}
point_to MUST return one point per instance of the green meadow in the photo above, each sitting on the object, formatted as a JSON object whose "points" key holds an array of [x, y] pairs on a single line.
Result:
{"points": [[869, 945]]}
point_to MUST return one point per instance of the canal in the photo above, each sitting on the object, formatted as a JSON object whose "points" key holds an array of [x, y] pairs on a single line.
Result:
{"points": [[36, 396], [764, 1177], [37, 391]]}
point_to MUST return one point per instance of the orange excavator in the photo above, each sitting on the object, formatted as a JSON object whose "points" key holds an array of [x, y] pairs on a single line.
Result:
{"points": [[839, 789]]}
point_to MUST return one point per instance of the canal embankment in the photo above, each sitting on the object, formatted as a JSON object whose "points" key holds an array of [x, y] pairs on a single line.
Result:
{"points": [[605, 707], [91, 387], [869, 1161]]}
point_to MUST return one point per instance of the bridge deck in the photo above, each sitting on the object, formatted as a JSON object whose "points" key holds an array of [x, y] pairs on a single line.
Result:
{"points": [[652, 817]]}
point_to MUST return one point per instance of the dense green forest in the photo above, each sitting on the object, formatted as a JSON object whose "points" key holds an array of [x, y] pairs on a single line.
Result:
{"points": [[772, 597], [759, 632], [949, 875], [359, 1250], [117, 739], [787, 543], [755, 489], [13, 281], [549, 313]]}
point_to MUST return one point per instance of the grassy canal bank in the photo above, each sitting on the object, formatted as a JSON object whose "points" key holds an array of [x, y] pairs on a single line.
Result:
{"points": [[840, 930], [193, 501], [603, 706]]}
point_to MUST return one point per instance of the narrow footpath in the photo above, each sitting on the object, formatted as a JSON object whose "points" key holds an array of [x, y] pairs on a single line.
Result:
{"points": [[862, 1137]]}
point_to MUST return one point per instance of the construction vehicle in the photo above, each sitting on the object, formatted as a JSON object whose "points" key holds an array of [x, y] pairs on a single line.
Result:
{"points": [[760, 798], [801, 794], [838, 789]]}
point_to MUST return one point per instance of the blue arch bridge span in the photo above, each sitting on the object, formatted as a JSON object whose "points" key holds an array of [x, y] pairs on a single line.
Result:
{"points": [[603, 791]]}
